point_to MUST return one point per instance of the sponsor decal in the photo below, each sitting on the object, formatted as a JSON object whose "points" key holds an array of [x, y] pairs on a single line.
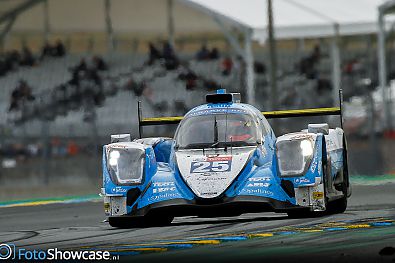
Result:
{"points": [[107, 208], [163, 196], [209, 193], [300, 136], [259, 179], [215, 111], [259, 191], [313, 166], [219, 158], [163, 189], [212, 165], [208, 177], [163, 184], [119, 190], [318, 195], [301, 180], [120, 146], [258, 185]]}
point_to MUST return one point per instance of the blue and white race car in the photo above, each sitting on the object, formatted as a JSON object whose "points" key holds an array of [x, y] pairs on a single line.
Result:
{"points": [[225, 160]]}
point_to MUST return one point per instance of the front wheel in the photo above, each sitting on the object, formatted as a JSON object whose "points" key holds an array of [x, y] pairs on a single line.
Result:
{"points": [[339, 206], [146, 221]]}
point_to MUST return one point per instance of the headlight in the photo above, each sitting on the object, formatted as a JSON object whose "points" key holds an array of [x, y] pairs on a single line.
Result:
{"points": [[294, 156], [125, 163]]}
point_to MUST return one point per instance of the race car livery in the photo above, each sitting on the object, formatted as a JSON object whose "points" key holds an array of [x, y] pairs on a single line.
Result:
{"points": [[225, 160]]}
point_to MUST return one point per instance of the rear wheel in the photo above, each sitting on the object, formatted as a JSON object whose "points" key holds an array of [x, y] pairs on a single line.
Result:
{"points": [[338, 206]]}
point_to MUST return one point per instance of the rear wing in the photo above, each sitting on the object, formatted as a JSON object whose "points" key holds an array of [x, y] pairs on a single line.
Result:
{"points": [[268, 115]]}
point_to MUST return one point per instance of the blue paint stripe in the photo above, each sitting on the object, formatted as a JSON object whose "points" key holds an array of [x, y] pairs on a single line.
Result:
{"points": [[286, 233], [335, 229], [381, 224], [229, 238]]}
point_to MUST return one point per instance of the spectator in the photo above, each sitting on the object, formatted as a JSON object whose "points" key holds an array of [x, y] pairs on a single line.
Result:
{"points": [[190, 79], [27, 57], [316, 55], [203, 53], [139, 89], [81, 66], [214, 54], [154, 54], [14, 104], [168, 52], [21, 92], [171, 60], [227, 65], [308, 64], [93, 75], [259, 67], [78, 71], [99, 63], [131, 84], [59, 49], [46, 51], [25, 90]]}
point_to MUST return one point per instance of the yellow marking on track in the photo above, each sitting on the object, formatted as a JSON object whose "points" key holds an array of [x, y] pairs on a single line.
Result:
{"points": [[332, 224], [194, 242], [307, 229], [358, 226], [260, 235], [312, 230], [186, 242], [35, 203]]}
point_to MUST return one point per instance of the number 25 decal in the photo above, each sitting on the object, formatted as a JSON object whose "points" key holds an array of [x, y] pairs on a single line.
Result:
{"points": [[216, 166]]}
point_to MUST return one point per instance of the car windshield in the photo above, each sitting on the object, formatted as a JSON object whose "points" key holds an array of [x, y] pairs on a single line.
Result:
{"points": [[216, 130]]}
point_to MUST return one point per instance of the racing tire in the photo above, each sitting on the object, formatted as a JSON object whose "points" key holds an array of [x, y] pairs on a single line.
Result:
{"points": [[123, 222], [157, 220], [146, 221], [339, 206]]}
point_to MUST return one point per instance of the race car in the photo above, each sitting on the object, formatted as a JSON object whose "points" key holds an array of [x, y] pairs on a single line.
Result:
{"points": [[225, 160]]}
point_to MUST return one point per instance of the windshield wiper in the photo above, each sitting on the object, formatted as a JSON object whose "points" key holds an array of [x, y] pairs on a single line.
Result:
{"points": [[216, 142]]}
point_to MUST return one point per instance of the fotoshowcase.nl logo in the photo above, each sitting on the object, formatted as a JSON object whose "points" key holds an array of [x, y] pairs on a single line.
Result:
{"points": [[10, 252]]}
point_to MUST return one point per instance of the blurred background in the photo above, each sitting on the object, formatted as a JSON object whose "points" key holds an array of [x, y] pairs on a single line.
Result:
{"points": [[72, 72]]}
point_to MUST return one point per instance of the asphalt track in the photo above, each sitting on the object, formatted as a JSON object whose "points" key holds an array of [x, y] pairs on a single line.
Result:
{"points": [[364, 233]]}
